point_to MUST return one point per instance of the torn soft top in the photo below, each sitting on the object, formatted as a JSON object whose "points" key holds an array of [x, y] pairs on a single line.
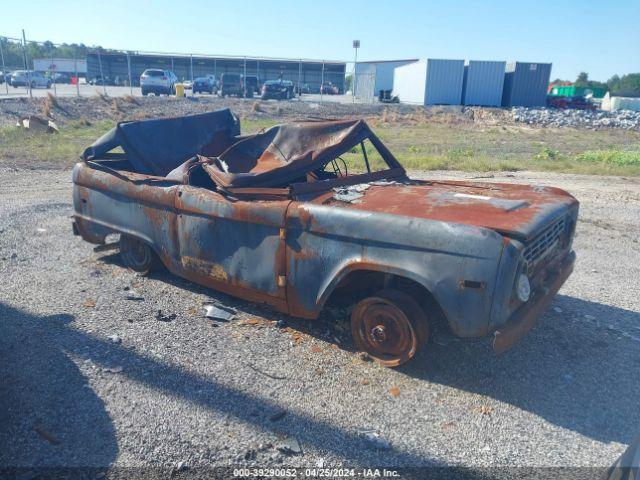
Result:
{"points": [[155, 147], [285, 152]]}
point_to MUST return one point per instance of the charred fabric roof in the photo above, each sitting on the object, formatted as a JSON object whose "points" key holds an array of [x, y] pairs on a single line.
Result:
{"points": [[288, 151], [279, 154], [157, 146]]}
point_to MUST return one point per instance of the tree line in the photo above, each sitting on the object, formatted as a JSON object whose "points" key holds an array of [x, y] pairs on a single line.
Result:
{"points": [[14, 57]]}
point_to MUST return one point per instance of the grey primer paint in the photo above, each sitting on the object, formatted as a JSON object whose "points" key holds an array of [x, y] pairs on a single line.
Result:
{"points": [[483, 82], [525, 84], [444, 82]]}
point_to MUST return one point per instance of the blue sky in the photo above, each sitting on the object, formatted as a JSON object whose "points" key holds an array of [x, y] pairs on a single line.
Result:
{"points": [[599, 37]]}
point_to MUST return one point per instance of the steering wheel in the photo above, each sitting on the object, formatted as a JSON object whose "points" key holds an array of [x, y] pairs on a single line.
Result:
{"points": [[336, 167]]}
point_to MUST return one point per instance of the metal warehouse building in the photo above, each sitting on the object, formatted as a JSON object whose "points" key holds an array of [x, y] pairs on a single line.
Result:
{"points": [[430, 82], [483, 82], [309, 74], [525, 84], [373, 76]]}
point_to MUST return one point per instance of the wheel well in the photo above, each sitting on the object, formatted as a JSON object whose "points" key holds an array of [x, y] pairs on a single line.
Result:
{"points": [[360, 284]]}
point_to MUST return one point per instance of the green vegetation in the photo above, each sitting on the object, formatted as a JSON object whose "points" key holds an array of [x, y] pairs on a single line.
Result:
{"points": [[418, 146], [24, 146], [14, 58]]}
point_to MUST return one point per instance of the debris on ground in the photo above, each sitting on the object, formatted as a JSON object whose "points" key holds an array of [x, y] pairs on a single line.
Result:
{"points": [[289, 446], [557, 309], [37, 124], [115, 339], [40, 430], [181, 467], [89, 303], [256, 369], [106, 247], [220, 312], [485, 410], [374, 439], [278, 416], [134, 297], [112, 369], [394, 391], [165, 318]]}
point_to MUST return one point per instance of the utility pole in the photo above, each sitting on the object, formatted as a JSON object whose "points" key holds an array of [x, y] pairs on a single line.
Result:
{"points": [[26, 64], [356, 46]]}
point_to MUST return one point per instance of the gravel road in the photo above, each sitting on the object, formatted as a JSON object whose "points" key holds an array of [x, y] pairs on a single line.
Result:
{"points": [[102, 367]]}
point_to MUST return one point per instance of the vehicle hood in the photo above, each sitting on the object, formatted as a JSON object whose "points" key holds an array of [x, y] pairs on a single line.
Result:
{"points": [[514, 210]]}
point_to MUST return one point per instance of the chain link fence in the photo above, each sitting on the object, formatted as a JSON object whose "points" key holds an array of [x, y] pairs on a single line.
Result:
{"points": [[34, 68]]}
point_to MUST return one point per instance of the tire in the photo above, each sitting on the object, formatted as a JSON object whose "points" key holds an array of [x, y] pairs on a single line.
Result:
{"points": [[144, 92], [137, 255], [390, 326]]}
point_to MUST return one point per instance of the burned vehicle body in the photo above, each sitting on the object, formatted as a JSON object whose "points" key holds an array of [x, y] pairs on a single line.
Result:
{"points": [[277, 218]]}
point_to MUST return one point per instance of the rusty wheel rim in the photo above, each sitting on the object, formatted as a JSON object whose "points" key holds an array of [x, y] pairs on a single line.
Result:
{"points": [[383, 330], [136, 254]]}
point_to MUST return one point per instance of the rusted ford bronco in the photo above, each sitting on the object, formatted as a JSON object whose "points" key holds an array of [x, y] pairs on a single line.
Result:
{"points": [[318, 213]]}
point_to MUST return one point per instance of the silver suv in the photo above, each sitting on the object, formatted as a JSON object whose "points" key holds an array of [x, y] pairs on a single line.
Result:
{"points": [[22, 78], [158, 81]]}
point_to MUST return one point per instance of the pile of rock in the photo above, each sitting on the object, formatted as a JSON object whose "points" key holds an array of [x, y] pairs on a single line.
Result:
{"points": [[552, 117]]}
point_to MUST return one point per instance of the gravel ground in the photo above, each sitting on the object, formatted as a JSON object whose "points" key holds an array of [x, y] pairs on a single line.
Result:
{"points": [[89, 377]]}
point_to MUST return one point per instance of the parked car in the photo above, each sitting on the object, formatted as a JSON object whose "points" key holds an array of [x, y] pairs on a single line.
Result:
{"points": [[278, 89], [327, 88], [157, 82], [285, 217], [202, 85], [214, 81], [230, 84], [3, 76], [22, 78], [61, 78], [98, 80], [249, 85], [187, 84]]}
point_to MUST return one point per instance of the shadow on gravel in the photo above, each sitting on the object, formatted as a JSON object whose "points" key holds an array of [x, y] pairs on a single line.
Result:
{"points": [[45, 392], [47, 415], [573, 371]]}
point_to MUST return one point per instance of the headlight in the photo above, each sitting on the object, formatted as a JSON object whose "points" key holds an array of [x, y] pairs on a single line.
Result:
{"points": [[523, 288]]}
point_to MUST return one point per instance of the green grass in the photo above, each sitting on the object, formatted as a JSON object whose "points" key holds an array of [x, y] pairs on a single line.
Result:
{"points": [[418, 146], [26, 147]]}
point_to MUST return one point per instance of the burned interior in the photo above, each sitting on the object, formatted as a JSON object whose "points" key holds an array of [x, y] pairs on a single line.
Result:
{"points": [[207, 151]]}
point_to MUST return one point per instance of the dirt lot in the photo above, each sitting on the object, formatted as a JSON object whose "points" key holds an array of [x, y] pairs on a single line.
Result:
{"points": [[102, 367]]}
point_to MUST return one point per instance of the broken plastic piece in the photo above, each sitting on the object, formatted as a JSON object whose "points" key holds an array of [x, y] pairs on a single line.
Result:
{"points": [[220, 312]]}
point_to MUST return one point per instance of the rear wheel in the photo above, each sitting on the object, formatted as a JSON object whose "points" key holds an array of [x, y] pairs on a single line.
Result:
{"points": [[137, 255], [390, 326]]}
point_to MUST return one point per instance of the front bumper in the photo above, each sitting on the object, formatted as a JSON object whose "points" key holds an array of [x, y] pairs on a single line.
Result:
{"points": [[525, 318]]}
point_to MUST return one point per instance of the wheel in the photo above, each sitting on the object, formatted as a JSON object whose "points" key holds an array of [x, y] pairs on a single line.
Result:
{"points": [[137, 255], [390, 326], [33, 85], [144, 92], [48, 85]]}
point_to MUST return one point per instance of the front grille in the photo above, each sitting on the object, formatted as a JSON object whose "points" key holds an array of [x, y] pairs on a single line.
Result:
{"points": [[545, 243]]}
